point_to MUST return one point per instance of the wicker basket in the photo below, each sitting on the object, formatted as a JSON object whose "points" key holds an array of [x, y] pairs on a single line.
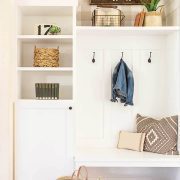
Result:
{"points": [[46, 57], [80, 174], [107, 16]]}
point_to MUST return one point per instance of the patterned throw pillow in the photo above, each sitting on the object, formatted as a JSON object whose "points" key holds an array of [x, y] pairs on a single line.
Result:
{"points": [[161, 135]]}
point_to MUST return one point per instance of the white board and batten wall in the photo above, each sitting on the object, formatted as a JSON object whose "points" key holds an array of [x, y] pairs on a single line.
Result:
{"points": [[100, 120]]}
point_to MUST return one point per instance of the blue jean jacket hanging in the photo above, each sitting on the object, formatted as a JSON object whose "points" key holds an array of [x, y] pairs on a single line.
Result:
{"points": [[122, 84]]}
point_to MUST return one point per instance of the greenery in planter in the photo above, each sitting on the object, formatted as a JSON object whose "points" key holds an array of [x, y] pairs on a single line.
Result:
{"points": [[55, 29], [151, 5]]}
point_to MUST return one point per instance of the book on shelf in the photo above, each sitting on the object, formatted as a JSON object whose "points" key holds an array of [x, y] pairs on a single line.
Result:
{"points": [[40, 91], [53, 94], [56, 91], [37, 90], [142, 17], [47, 91], [139, 20]]}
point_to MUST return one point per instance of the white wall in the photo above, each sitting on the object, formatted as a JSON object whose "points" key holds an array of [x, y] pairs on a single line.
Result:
{"points": [[5, 124], [172, 10]]}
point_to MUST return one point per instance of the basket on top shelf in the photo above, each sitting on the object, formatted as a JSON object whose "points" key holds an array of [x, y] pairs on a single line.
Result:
{"points": [[46, 57], [107, 16]]}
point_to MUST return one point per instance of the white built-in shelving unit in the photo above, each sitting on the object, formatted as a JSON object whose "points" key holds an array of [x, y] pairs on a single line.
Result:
{"points": [[56, 115], [27, 17], [52, 140], [161, 31]]}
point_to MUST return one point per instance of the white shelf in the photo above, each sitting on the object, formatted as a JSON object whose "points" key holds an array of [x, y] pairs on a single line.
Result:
{"points": [[165, 30], [60, 9], [44, 103], [45, 38], [39, 69], [123, 158]]}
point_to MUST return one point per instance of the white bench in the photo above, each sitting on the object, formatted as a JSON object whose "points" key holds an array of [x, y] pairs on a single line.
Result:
{"points": [[123, 158]]}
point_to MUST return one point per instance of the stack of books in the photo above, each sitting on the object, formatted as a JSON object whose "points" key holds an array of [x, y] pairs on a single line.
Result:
{"points": [[47, 90]]}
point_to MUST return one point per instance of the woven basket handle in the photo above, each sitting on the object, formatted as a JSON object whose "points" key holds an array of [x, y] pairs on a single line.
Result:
{"points": [[79, 172], [160, 8], [74, 175]]}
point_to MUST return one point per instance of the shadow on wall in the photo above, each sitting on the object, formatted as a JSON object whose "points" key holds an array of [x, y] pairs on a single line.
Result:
{"points": [[134, 173]]}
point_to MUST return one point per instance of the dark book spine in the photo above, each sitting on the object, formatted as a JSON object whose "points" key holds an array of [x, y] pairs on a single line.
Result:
{"points": [[57, 91], [40, 91], [43, 91], [46, 91], [37, 90], [53, 91], [49, 91]]}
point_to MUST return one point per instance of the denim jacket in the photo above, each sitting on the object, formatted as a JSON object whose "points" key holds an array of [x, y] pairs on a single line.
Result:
{"points": [[122, 84]]}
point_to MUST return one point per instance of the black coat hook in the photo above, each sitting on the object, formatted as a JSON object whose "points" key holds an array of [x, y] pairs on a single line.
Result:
{"points": [[93, 59], [149, 60], [122, 55]]}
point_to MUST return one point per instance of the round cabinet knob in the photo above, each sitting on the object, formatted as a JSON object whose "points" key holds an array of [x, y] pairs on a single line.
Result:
{"points": [[70, 108]]}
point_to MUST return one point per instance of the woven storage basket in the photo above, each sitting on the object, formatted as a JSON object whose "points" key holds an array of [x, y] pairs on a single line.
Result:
{"points": [[46, 57], [80, 174]]}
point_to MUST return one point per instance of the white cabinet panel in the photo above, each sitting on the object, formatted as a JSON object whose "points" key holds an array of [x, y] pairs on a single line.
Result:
{"points": [[43, 143], [90, 93]]}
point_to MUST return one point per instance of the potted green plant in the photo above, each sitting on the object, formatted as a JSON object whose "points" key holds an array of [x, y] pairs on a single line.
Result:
{"points": [[153, 17], [54, 30]]}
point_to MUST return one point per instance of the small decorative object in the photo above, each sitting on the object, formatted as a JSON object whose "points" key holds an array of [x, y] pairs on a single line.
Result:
{"points": [[54, 30], [46, 57], [139, 20], [153, 17], [47, 91], [107, 16], [115, 2], [46, 29]]}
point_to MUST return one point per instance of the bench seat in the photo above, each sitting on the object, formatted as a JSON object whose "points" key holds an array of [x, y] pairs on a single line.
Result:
{"points": [[102, 157]]}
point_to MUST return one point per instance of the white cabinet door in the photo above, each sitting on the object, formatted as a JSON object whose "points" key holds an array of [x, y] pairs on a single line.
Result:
{"points": [[90, 94], [43, 141]]}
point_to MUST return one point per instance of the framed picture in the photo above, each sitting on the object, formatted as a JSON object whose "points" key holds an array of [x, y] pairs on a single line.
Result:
{"points": [[115, 2]]}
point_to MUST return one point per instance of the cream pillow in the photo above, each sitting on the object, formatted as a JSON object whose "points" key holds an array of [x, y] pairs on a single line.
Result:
{"points": [[132, 141]]}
